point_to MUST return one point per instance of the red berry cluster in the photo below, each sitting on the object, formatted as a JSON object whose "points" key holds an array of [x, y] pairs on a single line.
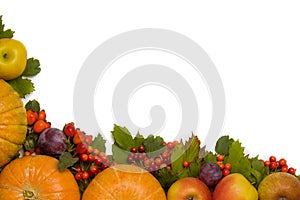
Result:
{"points": [[224, 167], [90, 161], [278, 165], [139, 157], [37, 120]]}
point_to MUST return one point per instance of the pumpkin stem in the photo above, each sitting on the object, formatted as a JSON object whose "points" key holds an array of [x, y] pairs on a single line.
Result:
{"points": [[29, 195]]}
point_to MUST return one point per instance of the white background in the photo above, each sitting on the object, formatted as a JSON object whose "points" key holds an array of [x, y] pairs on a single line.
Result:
{"points": [[255, 46]]}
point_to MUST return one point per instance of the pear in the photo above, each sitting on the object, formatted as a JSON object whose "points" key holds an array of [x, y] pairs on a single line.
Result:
{"points": [[279, 186], [235, 187]]}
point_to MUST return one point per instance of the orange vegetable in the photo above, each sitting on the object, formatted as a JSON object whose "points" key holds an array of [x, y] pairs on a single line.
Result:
{"points": [[37, 177], [124, 182], [13, 123]]}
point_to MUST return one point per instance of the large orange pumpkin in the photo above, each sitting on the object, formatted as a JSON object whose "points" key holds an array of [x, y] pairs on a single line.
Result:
{"points": [[37, 177], [13, 123], [124, 182]]}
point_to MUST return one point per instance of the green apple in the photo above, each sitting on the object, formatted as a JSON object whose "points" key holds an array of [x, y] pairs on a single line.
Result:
{"points": [[189, 188], [13, 58], [279, 185], [235, 187]]}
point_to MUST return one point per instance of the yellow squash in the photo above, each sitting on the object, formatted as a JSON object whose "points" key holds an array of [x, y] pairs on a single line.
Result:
{"points": [[13, 123]]}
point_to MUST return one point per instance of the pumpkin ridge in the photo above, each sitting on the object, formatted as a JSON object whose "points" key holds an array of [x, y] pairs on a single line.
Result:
{"points": [[5, 88], [116, 174], [2, 138], [10, 102], [12, 142], [10, 110], [13, 133], [48, 175], [17, 116], [14, 177], [157, 191], [108, 192]]}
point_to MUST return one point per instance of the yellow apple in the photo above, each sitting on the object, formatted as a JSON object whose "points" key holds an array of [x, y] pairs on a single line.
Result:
{"points": [[235, 187], [13, 58], [279, 185], [187, 189]]}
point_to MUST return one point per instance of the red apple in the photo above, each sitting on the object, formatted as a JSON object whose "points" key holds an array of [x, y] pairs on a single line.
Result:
{"points": [[235, 187], [189, 188]]}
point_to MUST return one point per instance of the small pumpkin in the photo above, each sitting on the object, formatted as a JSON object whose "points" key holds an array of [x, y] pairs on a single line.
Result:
{"points": [[13, 123], [37, 177], [124, 182]]}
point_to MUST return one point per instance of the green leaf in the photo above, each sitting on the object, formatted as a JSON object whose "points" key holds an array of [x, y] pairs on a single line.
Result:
{"points": [[122, 137], [257, 164], [154, 145], [138, 140], [222, 145], [210, 157], [22, 86], [120, 155], [66, 160], [192, 149], [177, 158], [5, 33], [186, 152], [33, 105], [166, 178], [258, 171], [32, 67], [194, 168], [99, 143], [30, 142], [239, 162]]}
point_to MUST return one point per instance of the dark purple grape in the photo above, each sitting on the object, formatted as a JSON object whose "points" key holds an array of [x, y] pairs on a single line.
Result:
{"points": [[52, 142], [210, 174]]}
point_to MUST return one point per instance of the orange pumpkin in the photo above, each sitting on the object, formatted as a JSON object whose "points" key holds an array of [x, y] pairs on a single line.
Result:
{"points": [[124, 182], [13, 123], [37, 177]]}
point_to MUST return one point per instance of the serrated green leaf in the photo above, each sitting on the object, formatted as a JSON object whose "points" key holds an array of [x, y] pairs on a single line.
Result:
{"points": [[186, 152], [122, 137], [210, 157], [177, 157], [154, 145], [22, 86], [194, 169], [66, 160], [5, 33], [99, 143], [257, 177], [192, 149], [138, 140], [32, 67], [166, 178], [257, 164], [258, 171], [33, 105], [119, 154], [222, 145], [239, 162]]}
